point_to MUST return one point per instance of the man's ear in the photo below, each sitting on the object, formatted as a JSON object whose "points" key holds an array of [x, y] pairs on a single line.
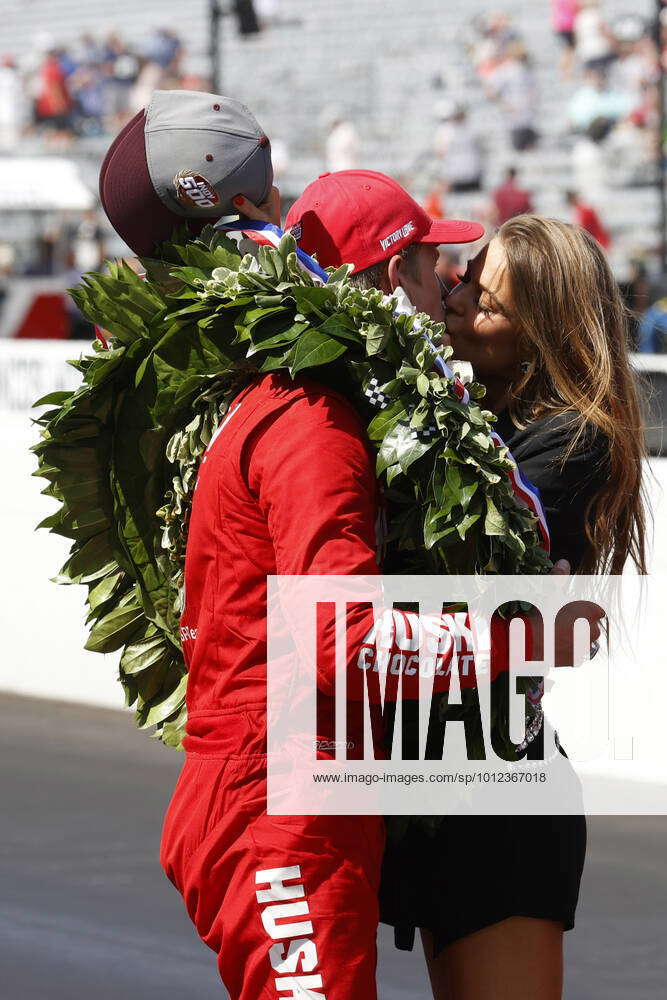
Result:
{"points": [[395, 272]]}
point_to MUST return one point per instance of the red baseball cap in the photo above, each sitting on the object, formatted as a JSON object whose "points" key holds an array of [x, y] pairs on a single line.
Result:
{"points": [[361, 217]]}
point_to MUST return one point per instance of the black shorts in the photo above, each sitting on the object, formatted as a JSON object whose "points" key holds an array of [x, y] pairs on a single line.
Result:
{"points": [[477, 870]]}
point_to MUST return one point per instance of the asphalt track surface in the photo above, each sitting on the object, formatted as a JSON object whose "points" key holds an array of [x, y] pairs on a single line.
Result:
{"points": [[85, 911]]}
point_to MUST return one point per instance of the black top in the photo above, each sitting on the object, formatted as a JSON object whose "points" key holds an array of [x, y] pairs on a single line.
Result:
{"points": [[566, 487]]}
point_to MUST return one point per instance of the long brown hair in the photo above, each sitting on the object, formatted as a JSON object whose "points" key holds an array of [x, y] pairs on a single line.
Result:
{"points": [[574, 341]]}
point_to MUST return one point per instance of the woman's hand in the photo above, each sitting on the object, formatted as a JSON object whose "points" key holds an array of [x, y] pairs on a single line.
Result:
{"points": [[563, 653], [269, 211]]}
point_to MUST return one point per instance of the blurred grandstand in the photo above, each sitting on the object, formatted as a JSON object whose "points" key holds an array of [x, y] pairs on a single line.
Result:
{"points": [[432, 93]]}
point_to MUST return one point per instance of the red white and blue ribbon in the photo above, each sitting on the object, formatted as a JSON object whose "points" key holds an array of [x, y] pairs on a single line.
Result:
{"points": [[443, 369], [266, 234], [527, 493]]}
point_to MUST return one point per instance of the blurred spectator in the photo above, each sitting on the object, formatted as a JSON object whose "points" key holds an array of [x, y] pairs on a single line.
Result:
{"points": [[632, 153], [493, 35], [513, 85], [87, 243], [158, 70], [459, 148], [7, 262], [86, 52], [636, 65], [342, 146], [434, 202], [162, 47], [149, 78], [590, 159], [510, 199], [595, 44], [652, 333], [13, 109], [86, 86], [123, 69], [585, 215], [563, 15], [53, 104], [595, 98], [44, 261], [638, 294]]}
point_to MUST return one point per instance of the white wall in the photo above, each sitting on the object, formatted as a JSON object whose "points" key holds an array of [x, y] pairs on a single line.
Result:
{"points": [[41, 623]]}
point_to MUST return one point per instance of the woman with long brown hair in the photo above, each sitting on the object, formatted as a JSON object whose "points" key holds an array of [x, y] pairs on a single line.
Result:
{"points": [[539, 316]]}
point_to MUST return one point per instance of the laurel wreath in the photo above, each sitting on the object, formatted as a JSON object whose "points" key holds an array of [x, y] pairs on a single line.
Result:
{"points": [[121, 452]]}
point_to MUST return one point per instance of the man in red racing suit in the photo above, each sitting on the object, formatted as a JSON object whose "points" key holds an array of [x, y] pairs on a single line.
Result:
{"points": [[287, 486]]}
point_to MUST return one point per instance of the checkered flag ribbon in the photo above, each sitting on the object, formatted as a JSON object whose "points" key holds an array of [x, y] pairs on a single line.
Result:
{"points": [[377, 398], [425, 434]]}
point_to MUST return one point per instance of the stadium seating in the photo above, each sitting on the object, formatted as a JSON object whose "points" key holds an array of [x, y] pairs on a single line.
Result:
{"points": [[385, 64]]}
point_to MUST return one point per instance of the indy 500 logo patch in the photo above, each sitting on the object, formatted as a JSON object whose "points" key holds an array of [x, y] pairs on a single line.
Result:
{"points": [[195, 191]]}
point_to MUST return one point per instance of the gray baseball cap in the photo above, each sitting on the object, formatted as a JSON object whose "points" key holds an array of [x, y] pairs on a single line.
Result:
{"points": [[182, 161]]}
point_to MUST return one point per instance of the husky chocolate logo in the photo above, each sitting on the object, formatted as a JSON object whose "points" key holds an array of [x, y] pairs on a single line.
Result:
{"points": [[195, 191]]}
